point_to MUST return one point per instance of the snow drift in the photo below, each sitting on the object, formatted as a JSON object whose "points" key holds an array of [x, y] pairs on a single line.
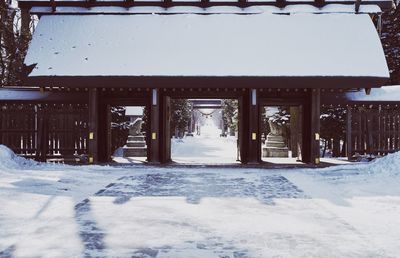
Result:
{"points": [[9, 160], [389, 165]]}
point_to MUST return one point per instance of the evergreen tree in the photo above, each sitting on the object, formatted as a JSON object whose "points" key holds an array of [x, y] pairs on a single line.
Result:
{"points": [[282, 118], [333, 127], [391, 42], [181, 112], [230, 117], [119, 127]]}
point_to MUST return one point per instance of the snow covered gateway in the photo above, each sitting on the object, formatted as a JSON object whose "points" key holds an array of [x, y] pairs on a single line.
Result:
{"points": [[259, 52]]}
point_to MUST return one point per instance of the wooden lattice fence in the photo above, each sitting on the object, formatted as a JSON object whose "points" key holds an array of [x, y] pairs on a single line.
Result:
{"points": [[373, 129], [44, 131]]}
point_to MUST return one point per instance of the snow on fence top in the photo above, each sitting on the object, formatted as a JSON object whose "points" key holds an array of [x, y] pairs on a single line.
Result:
{"points": [[384, 94], [29, 95], [224, 45]]}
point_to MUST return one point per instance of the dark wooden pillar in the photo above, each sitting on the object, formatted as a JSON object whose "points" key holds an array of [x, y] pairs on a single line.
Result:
{"points": [[165, 122], [242, 132], [42, 134], [315, 125], [109, 150], [349, 143], [93, 125], [311, 126], [336, 147], [294, 130], [104, 132], [253, 136], [154, 140]]}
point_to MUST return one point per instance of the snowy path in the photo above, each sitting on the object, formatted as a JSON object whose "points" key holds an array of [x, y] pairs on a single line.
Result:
{"points": [[208, 147], [66, 211]]}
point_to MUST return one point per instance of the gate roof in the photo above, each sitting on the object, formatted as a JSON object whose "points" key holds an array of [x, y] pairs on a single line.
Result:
{"points": [[191, 50]]}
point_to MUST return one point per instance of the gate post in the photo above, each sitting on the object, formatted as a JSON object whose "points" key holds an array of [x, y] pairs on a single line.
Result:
{"points": [[315, 125], [93, 125], [154, 140], [253, 137], [349, 144]]}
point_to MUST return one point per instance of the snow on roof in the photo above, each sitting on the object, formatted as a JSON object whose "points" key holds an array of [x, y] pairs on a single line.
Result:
{"points": [[262, 45], [386, 93], [134, 111]]}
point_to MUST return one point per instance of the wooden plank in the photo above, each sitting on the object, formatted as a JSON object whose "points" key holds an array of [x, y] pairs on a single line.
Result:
{"points": [[370, 142]]}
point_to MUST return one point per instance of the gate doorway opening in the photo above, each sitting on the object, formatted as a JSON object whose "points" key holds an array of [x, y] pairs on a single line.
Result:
{"points": [[204, 131], [128, 134], [281, 134]]}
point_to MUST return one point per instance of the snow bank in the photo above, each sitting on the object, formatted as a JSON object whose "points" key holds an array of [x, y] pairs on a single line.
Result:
{"points": [[388, 165], [9, 160]]}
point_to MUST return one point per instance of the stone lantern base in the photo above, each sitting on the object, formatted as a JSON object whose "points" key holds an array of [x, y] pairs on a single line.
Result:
{"points": [[135, 146], [275, 147]]}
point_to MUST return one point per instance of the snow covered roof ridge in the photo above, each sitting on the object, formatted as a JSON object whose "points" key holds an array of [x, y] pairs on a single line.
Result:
{"points": [[54, 5], [267, 9]]}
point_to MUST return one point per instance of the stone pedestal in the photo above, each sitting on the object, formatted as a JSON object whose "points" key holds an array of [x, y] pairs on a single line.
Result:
{"points": [[275, 147], [135, 146]]}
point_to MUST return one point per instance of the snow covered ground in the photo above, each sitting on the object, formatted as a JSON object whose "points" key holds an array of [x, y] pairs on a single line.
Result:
{"points": [[208, 147], [142, 211]]}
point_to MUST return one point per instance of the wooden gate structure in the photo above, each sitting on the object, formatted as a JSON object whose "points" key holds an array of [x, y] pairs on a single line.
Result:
{"points": [[130, 57]]}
